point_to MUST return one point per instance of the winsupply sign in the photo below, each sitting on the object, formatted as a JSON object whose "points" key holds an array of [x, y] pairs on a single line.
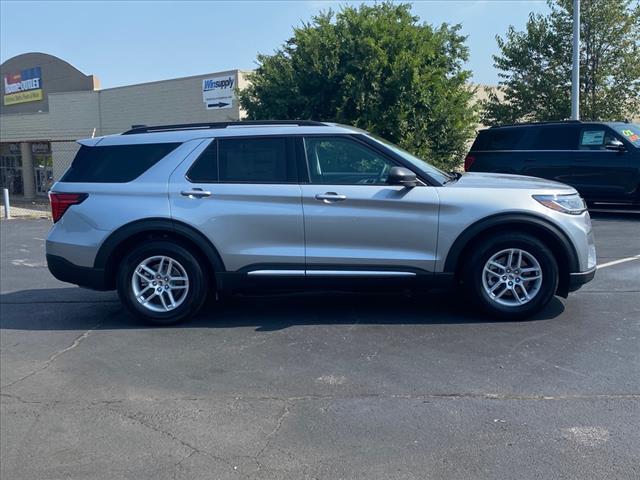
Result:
{"points": [[23, 87], [218, 92]]}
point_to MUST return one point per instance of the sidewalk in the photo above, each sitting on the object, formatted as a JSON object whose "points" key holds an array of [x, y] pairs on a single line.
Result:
{"points": [[20, 208]]}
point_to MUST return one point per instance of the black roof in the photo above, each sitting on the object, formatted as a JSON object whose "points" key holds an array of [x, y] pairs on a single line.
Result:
{"points": [[526, 124], [556, 122]]}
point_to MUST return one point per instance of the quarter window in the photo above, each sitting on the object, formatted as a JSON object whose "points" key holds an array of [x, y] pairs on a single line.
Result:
{"points": [[115, 163], [205, 168], [500, 139], [341, 161]]}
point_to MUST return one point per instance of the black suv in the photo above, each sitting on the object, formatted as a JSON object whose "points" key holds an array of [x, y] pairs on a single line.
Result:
{"points": [[600, 160]]}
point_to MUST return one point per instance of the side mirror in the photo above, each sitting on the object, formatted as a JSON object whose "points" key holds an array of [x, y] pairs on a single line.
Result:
{"points": [[615, 145], [402, 176]]}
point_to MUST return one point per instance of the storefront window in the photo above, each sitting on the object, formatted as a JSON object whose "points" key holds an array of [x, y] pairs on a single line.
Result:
{"points": [[43, 166], [11, 168]]}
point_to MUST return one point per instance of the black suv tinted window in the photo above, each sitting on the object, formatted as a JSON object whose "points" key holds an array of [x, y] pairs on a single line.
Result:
{"points": [[630, 131], [500, 139], [246, 160], [596, 138], [115, 163], [557, 137]]}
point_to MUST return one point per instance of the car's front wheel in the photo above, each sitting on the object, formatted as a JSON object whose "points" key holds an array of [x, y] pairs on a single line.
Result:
{"points": [[512, 275], [161, 282]]}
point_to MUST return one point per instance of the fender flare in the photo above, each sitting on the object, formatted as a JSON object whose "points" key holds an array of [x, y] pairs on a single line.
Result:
{"points": [[115, 239], [525, 219]]}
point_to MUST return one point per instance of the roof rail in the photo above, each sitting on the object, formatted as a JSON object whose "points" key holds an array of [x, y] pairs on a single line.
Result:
{"points": [[536, 123], [205, 126]]}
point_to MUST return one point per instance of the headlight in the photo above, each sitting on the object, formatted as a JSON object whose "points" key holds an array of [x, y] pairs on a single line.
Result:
{"points": [[573, 204]]}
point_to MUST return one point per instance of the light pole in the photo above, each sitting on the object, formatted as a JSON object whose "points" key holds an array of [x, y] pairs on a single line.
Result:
{"points": [[575, 74]]}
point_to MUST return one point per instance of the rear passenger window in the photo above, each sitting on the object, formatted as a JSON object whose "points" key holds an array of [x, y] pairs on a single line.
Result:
{"points": [[246, 160], [115, 163], [557, 137]]}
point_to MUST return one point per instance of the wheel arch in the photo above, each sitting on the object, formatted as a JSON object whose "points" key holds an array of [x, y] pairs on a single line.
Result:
{"points": [[557, 241], [120, 241]]}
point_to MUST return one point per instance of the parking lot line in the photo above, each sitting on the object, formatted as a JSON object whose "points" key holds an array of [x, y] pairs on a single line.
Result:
{"points": [[616, 262]]}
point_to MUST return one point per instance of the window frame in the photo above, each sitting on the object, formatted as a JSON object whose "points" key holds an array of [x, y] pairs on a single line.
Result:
{"points": [[290, 160], [358, 139], [300, 158], [607, 131], [345, 138]]}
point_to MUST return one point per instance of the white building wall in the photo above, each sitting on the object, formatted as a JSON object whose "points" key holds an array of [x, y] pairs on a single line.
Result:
{"points": [[74, 115], [164, 102], [21, 127]]}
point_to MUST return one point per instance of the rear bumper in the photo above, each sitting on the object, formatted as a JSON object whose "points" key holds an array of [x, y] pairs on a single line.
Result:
{"points": [[577, 280], [64, 270]]}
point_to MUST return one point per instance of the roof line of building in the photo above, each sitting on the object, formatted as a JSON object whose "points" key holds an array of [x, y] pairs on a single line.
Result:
{"points": [[223, 72]]}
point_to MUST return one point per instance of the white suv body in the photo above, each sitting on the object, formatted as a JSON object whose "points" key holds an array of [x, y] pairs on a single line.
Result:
{"points": [[168, 214]]}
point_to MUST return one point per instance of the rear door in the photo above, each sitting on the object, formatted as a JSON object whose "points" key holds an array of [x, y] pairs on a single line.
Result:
{"points": [[243, 194], [550, 152], [355, 222], [600, 174]]}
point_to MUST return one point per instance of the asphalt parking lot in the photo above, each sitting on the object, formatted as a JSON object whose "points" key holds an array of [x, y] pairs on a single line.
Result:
{"points": [[319, 386]]}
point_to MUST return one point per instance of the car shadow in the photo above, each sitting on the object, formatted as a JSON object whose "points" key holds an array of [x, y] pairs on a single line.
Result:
{"points": [[79, 309]]}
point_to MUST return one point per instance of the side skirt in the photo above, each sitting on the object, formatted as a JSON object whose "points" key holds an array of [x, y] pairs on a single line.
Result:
{"points": [[337, 280]]}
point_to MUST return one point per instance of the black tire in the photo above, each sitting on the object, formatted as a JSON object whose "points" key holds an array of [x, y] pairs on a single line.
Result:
{"points": [[474, 271], [196, 293]]}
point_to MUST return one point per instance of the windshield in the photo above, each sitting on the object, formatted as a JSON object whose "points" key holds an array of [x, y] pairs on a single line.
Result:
{"points": [[420, 164], [630, 131]]}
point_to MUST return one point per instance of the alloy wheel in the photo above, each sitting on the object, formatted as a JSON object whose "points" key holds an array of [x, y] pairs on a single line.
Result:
{"points": [[512, 277], [160, 283]]}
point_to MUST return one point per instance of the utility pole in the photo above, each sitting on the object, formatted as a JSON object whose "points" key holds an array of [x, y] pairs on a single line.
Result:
{"points": [[575, 74]]}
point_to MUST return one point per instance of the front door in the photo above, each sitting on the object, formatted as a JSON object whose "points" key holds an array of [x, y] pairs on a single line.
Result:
{"points": [[355, 221], [601, 174]]}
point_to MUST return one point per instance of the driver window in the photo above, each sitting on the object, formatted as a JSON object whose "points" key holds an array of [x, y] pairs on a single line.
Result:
{"points": [[341, 161], [595, 139]]}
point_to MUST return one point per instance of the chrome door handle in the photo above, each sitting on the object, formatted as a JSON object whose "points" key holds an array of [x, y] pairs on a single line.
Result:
{"points": [[330, 197], [195, 193]]}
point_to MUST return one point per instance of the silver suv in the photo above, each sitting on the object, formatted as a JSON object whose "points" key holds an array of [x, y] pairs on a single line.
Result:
{"points": [[168, 214]]}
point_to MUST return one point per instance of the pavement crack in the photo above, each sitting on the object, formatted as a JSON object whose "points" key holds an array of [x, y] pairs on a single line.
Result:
{"points": [[53, 357], [193, 450], [20, 399], [525, 340], [270, 436]]}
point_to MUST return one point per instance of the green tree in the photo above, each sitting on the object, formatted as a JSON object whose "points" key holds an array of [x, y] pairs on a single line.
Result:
{"points": [[535, 64], [375, 67]]}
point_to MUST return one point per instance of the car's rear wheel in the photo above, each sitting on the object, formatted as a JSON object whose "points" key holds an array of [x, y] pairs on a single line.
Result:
{"points": [[162, 283], [512, 276]]}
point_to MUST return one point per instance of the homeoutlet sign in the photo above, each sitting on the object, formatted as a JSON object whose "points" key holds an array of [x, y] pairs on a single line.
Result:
{"points": [[23, 87], [218, 92]]}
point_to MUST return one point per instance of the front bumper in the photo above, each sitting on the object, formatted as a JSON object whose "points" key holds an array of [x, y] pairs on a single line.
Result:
{"points": [[64, 270], [577, 280]]}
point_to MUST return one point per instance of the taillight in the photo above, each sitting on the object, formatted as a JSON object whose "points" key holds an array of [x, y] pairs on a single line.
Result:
{"points": [[60, 202], [468, 161]]}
